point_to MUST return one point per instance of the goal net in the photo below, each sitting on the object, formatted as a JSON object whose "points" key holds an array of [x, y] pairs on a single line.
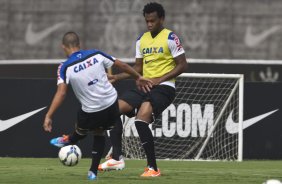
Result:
{"points": [[204, 122]]}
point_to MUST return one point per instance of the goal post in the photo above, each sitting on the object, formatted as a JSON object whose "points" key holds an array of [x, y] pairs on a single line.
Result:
{"points": [[204, 122]]}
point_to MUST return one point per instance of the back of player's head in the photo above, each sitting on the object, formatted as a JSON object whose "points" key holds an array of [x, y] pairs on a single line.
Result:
{"points": [[70, 39], [154, 7]]}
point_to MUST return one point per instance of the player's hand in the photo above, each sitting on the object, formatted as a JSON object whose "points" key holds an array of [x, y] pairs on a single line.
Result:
{"points": [[144, 84], [47, 125], [111, 78], [156, 81]]}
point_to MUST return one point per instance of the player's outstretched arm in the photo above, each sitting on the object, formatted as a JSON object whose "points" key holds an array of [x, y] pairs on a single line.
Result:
{"points": [[141, 82], [137, 67]]}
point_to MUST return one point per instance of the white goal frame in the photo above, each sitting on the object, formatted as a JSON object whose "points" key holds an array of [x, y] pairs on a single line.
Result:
{"points": [[240, 84]]}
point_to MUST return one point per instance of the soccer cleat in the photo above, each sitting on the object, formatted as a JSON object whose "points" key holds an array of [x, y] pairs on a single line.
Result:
{"points": [[60, 141], [150, 172], [108, 157], [91, 176], [112, 164]]}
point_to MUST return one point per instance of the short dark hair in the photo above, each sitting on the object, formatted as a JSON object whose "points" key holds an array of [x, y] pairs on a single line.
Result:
{"points": [[71, 39], [154, 7]]}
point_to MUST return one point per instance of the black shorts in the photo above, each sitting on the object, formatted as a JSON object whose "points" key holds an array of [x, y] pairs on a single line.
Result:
{"points": [[160, 97], [104, 119]]}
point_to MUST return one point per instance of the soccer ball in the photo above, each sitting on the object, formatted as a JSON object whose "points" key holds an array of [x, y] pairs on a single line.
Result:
{"points": [[70, 155], [272, 182]]}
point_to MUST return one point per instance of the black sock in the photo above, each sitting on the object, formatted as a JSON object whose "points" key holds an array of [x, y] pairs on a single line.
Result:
{"points": [[116, 136], [147, 141], [75, 137], [97, 152]]}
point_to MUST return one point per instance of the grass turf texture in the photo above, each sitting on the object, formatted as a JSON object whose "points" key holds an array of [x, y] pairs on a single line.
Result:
{"points": [[51, 171]]}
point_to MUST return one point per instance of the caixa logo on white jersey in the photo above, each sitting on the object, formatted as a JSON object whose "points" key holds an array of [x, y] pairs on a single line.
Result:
{"points": [[189, 121]]}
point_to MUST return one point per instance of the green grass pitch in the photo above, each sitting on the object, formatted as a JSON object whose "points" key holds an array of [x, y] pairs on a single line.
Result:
{"points": [[51, 171]]}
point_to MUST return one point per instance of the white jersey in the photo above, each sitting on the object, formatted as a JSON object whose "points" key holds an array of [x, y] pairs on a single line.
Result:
{"points": [[85, 71]]}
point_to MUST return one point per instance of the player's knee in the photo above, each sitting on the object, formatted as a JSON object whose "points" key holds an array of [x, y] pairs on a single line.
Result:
{"points": [[145, 110], [145, 115]]}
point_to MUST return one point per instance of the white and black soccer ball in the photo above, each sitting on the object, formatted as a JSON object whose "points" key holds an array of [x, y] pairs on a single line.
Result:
{"points": [[70, 155], [272, 181]]}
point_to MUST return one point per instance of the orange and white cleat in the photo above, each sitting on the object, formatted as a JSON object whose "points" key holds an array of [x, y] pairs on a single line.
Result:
{"points": [[108, 157], [112, 164], [150, 172]]}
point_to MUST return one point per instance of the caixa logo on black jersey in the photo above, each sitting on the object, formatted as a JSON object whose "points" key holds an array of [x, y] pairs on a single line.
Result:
{"points": [[84, 65]]}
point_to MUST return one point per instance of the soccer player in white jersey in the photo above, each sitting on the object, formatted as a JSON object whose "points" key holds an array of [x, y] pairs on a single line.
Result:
{"points": [[85, 71], [160, 58]]}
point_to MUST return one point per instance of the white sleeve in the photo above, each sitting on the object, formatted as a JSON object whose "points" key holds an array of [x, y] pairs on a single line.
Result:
{"points": [[138, 53], [174, 45], [60, 77], [108, 62], [61, 80]]}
